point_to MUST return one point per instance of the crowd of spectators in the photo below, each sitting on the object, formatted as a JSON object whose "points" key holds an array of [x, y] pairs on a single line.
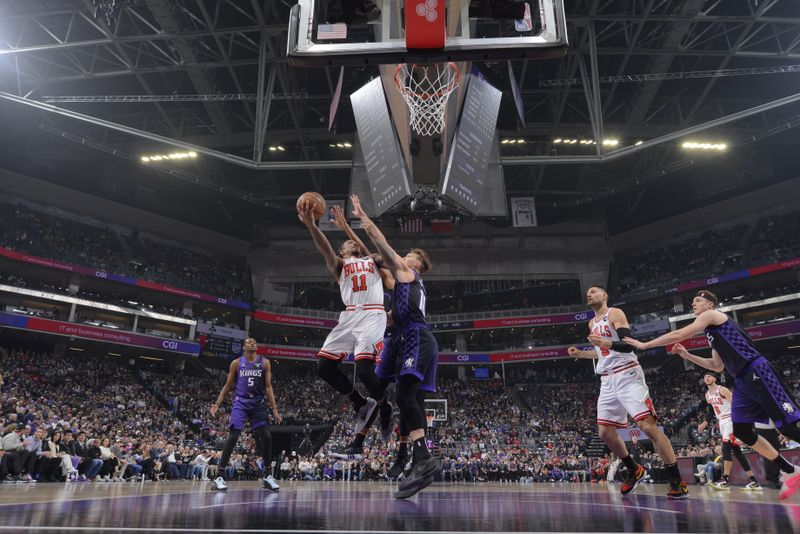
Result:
{"points": [[66, 239], [74, 417], [715, 251]]}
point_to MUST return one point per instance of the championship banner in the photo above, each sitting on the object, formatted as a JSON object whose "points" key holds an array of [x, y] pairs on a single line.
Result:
{"points": [[102, 274], [107, 335], [523, 212]]}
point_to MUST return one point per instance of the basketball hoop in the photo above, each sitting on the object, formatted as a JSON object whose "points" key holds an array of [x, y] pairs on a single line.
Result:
{"points": [[426, 89], [430, 420]]}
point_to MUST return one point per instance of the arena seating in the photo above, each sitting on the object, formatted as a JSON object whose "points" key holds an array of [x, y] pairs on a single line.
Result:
{"points": [[121, 252], [716, 251], [538, 430], [459, 296]]}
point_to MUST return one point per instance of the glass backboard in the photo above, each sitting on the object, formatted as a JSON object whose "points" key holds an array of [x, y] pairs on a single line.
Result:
{"points": [[363, 32]]}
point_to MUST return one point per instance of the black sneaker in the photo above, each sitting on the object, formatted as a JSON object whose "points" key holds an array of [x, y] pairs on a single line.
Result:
{"points": [[421, 477], [397, 469], [386, 421], [351, 452]]}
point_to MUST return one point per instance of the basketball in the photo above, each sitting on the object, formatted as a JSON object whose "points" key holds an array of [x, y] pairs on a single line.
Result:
{"points": [[316, 200]]}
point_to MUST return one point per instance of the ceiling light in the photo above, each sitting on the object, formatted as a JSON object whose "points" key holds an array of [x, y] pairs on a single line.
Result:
{"points": [[78, 349], [556, 141], [610, 142], [638, 143], [694, 145], [171, 156]]}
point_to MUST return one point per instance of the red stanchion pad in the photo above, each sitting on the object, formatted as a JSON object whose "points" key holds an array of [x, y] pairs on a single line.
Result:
{"points": [[425, 24]]}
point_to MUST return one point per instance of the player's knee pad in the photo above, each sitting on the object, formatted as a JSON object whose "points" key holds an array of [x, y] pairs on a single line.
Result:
{"points": [[744, 432], [726, 451]]}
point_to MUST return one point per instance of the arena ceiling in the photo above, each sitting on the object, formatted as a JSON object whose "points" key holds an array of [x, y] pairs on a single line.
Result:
{"points": [[189, 70]]}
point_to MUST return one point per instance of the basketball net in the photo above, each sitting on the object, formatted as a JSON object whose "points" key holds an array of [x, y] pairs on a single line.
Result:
{"points": [[426, 90]]}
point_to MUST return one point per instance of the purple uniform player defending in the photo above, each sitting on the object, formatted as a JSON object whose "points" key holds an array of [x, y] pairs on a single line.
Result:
{"points": [[252, 376], [759, 394], [416, 353]]}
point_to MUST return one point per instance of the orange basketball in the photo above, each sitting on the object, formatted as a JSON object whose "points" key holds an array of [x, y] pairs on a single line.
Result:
{"points": [[316, 200]]}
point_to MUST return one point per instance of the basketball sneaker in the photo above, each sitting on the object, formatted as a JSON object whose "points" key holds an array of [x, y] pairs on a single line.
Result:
{"points": [[397, 468], [753, 486], [678, 490], [790, 483], [632, 479], [720, 485], [420, 477], [219, 484], [351, 452], [270, 484], [386, 421], [364, 415]]}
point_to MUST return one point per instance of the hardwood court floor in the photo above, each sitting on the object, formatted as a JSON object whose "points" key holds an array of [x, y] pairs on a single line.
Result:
{"points": [[356, 507]]}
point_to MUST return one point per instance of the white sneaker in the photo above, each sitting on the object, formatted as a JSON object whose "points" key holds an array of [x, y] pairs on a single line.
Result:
{"points": [[790, 483], [270, 484], [219, 484], [753, 486]]}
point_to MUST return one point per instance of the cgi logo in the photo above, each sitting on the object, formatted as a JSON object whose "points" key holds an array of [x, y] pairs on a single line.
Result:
{"points": [[100, 274], [714, 280], [171, 345], [581, 316], [462, 358], [222, 301]]}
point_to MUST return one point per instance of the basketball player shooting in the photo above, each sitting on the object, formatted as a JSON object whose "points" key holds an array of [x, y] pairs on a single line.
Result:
{"points": [[378, 392], [759, 395], [719, 404], [360, 328], [385, 365], [251, 378], [416, 355], [623, 391]]}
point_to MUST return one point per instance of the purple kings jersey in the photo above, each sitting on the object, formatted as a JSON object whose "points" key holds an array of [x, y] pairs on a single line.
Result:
{"points": [[733, 345], [250, 379]]}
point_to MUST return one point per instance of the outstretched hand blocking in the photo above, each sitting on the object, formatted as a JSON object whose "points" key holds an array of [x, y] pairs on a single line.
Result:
{"points": [[337, 213], [358, 211]]}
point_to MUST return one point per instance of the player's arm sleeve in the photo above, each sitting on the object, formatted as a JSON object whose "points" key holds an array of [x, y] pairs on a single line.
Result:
{"points": [[710, 415], [621, 346]]}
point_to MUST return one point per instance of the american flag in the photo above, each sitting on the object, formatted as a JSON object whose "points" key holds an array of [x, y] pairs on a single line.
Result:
{"points": [[332, 31], [412, 226]]}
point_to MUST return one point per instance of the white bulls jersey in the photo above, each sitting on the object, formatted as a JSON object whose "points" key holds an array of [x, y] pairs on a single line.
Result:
{"points": [[721, 405], [360, 284], [608, 359]]}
